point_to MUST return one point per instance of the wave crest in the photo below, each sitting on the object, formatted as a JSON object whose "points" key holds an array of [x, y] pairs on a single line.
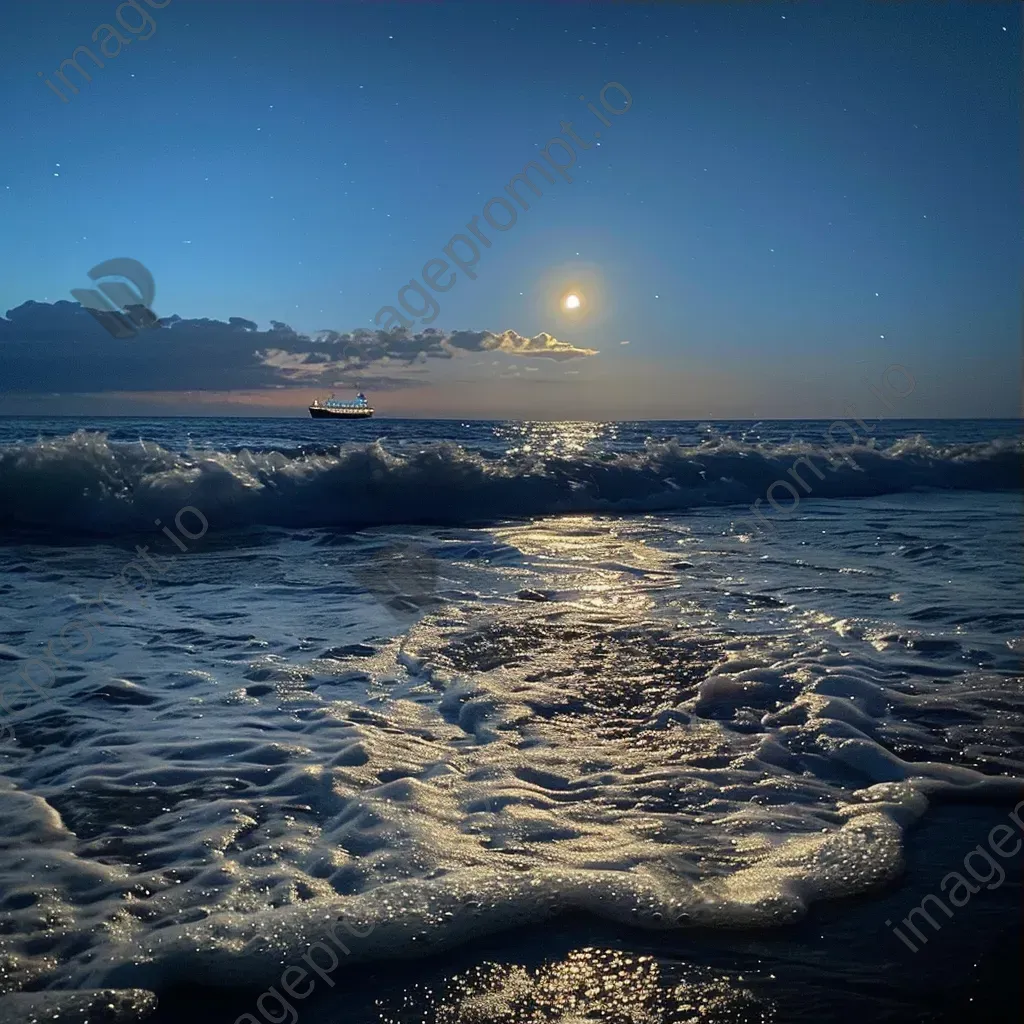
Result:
{"points": [[85, 484]]}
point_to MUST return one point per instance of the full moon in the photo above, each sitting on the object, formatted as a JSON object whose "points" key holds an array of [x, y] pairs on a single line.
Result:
{"points": [[572, 302]]}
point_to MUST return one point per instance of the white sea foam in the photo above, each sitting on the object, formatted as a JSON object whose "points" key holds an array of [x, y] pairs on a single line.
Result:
{"points": [[625, 717], [84, 483]]}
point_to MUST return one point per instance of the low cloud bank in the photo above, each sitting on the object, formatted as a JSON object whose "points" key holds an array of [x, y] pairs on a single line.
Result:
{"points": [[59, 347]]}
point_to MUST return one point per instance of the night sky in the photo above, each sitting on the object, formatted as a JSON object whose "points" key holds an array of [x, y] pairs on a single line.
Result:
{"points": [[798, 196]]}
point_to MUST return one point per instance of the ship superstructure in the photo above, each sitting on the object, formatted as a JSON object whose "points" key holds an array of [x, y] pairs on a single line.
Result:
{"points": [[335, 408]]}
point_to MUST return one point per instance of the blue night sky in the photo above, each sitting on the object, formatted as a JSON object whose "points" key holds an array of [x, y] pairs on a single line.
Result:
{"points": [[799, 196]]}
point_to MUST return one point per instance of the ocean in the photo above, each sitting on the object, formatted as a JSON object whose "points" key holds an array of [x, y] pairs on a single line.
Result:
{"points": [[554, 725]]}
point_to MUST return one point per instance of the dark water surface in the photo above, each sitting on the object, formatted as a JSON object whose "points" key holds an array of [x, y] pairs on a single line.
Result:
{"points": [[540, 708]]}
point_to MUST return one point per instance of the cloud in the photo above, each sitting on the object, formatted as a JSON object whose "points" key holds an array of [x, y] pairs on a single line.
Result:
{"points": [[59, 348], [542, 345]]}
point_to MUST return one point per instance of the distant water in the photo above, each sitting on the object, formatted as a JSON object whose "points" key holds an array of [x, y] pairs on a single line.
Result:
{"points": [[112, 476], [454, 679]]}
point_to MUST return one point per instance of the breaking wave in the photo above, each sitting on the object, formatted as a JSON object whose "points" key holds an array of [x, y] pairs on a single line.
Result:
{"points": [[85, 484]]}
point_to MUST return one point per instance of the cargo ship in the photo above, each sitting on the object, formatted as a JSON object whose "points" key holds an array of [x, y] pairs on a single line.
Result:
{"points": [[335, 409]]}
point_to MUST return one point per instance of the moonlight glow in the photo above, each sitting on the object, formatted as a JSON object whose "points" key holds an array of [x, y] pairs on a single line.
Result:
{"points": [[572, 301]]}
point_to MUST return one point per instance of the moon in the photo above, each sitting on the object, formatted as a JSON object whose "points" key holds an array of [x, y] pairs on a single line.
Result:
{"points": [[572, 301]]}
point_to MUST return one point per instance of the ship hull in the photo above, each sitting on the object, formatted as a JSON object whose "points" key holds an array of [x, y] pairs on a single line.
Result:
{"points": [[340, 414]]}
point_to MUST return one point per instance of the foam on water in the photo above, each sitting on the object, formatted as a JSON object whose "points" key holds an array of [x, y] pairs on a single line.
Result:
{"points": [[645, 719]]}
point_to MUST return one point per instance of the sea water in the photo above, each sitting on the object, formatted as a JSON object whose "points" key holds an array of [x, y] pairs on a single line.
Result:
{"points": [[454, 679]]}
